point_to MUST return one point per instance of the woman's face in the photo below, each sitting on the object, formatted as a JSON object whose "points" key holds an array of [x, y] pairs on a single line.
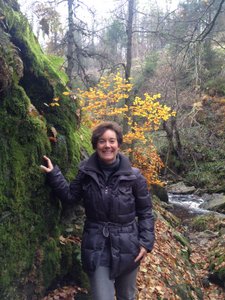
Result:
{"points": [[107, 146]]}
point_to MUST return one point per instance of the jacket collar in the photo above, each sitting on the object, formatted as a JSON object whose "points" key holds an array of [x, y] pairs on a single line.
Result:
{"points": [[91, 164]]}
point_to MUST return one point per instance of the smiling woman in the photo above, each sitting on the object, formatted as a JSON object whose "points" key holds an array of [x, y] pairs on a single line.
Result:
{"points": [[119, 227], [107, 147], [107, 142]]}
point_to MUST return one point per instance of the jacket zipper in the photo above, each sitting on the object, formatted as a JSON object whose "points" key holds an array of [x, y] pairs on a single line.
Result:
{"points": [[106, 189]]}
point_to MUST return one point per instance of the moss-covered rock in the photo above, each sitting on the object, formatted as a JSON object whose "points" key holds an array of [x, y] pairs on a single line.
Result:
{"points": [[31, 256], [217, 266], [161, 210], [210, 222], [186, 291]]}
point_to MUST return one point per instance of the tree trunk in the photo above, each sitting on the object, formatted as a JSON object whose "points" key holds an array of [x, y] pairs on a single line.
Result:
{"points": [[128, 56], [70, 43], [175, 147]]}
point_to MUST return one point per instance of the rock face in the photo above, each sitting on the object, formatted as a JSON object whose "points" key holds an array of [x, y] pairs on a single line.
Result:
{"points": [[180, 188], [159, 192], [215, 202], [207, 234], [31, 255]]}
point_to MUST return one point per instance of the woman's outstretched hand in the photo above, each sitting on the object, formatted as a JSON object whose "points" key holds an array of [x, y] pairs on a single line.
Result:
{"points": [[141, 255], [48, 167]]}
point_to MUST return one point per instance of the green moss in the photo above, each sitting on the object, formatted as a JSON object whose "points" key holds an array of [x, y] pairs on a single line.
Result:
{"points": [[71, 265], [80, 145], [24, 198], [79, 276], [217, 260], [221, 274], [31, 257], [200, 223], [16, 102], [57, 63], [205, 222], [51, 262], [207, 174], [216, 84], [161, 211], [185, 291], [67, 259], [185, 252]]}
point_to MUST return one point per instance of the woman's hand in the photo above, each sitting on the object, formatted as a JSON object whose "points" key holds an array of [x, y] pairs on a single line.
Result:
{"points": [[141, 255], [48, 167]]}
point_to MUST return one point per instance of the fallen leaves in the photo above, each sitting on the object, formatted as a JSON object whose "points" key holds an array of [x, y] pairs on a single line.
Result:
{"points": [[167, 270], [70, 239], [65, 293]]}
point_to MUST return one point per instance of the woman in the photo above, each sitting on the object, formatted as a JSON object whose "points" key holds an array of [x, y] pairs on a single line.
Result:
{"points": [[119, 227]]}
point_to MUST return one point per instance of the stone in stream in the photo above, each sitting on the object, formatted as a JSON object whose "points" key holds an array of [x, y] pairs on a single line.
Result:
{"points": [[180, 188], [160, 192], [215, 202]]}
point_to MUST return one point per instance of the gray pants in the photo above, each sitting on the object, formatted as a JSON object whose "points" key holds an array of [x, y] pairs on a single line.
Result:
{"points": [[104, 288]]}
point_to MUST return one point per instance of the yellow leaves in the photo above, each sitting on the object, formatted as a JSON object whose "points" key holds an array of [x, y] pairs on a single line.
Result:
{"points": [[66, 93], [149, 162], [107, 99], [56, 99], [54, 104], [151, 110], [142, 269]]}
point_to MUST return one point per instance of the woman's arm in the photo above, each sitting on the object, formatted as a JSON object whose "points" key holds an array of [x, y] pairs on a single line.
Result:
{"points": [[144, 213], [67, 192]]}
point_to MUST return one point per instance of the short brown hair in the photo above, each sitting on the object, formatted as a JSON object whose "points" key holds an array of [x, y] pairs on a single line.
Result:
{"points": [[100, 130]]}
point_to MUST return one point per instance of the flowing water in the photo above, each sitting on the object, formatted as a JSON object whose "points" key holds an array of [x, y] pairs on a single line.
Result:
{"points": [[186, 206]]}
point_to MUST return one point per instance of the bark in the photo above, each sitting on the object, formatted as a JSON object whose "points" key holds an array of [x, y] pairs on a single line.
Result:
{"points": [[175, 146], [70, 43], [128, 55]]}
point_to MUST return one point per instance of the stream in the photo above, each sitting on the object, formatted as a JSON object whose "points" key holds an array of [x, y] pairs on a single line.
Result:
{"points": [[186, 205]]}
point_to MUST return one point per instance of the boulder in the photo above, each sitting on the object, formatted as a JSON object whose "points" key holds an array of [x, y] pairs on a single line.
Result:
{"points": [[214, 202], [160, 192], [180, 188], [217, 266]]}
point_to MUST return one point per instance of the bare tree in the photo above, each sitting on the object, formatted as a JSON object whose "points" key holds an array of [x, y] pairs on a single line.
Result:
{"points": [[129, 32], [70, 43]]}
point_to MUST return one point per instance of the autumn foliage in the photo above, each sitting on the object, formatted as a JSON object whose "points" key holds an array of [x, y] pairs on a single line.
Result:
{"points": [[107, 101]]}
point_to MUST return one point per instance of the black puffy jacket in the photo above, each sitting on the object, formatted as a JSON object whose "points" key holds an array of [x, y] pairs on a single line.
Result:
{"points": [[127, 220]]}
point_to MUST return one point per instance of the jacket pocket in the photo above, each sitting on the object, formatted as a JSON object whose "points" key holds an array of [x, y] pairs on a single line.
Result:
{"points": [[126, 201], [125, 189]]}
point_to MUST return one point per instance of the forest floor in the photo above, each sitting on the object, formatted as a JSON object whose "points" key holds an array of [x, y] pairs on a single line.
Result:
{"points": [[163, 261]]}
